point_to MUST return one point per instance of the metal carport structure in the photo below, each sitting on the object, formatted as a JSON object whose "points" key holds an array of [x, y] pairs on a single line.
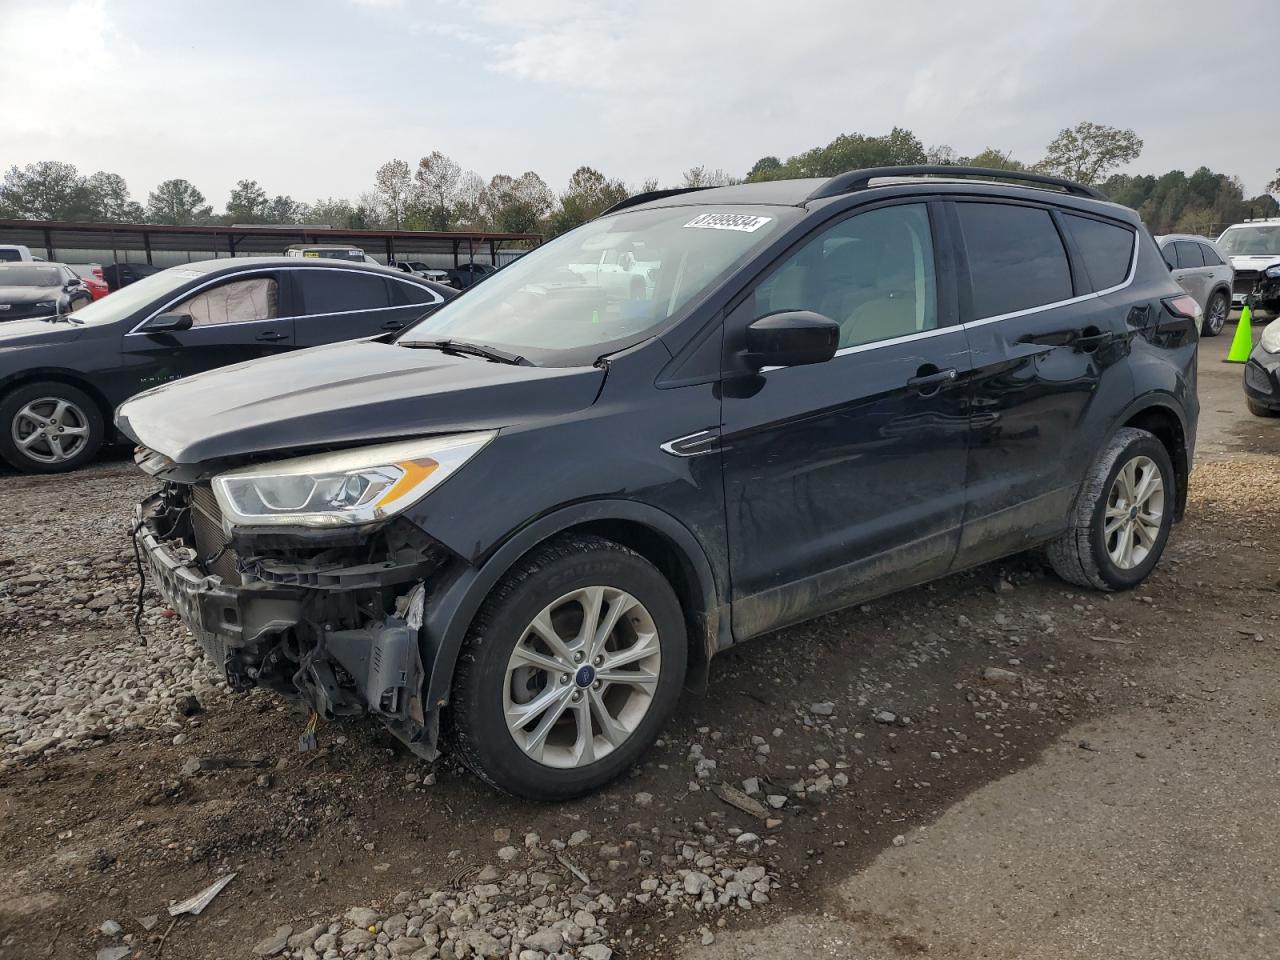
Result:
{"points": [[59, 240]]}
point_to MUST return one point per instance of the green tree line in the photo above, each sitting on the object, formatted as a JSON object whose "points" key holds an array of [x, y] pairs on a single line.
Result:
{"points": [[437, 194]]}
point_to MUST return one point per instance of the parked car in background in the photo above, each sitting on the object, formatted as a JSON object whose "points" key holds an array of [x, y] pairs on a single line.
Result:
{"points": [[14, 253], [466, 274], [1262, 374], [422, 270], [119, 275], [60, 382], [30, 290], [1254, 249], [329, 251], [1203, 272], [91, 276], [522, 521]]}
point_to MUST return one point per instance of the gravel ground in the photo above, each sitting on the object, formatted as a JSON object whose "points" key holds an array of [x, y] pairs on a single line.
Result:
{"points": [[130, 779]]}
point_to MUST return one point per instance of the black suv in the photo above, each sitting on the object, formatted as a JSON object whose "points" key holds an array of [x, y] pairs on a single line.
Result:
{"points": [[534, 516], [62, 376]]}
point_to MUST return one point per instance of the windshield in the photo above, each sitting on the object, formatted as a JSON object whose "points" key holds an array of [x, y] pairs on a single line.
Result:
{"points": [[136, 295], [1251, 241], [27, 276], [604, 286]]}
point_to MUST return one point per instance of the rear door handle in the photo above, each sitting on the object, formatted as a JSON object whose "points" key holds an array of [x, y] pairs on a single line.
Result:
{"points": [[1091, 338], [928, 383], [272, 335]]}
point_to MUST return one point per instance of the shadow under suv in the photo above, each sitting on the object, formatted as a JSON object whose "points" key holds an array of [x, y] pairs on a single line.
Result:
{"points": [[530, 519]]}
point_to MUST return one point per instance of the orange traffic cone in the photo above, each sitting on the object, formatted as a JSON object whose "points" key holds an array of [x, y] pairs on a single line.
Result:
{"points": [[1242, 342]]}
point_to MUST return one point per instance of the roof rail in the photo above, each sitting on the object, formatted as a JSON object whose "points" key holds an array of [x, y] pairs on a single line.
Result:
{"points": [[861, 179], [648, 195]]}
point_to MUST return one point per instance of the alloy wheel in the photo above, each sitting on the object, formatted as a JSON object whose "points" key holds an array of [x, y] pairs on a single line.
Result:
{"points": [[582, 677], [1217, 314], [1134, 513], [50, 430]]}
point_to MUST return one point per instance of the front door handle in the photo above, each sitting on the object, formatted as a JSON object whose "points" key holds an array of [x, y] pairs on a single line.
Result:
{"points": [[929, 380], [271, 336], [393, 325]]}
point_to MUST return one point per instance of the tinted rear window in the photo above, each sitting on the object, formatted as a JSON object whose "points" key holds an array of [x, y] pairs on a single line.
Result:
{"points": [[336, 291], [1105, 248], [1211, 258], [1189, 255], [1016, 258]]}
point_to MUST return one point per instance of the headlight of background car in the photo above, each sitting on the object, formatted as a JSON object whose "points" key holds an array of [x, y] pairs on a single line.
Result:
{"points": [[50, 305], [1271, 337], [1273, 271], [350, 486]]}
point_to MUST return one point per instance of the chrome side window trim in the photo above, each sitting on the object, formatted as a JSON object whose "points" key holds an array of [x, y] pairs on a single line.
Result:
{"points": [[437, 299], [922, 334]]}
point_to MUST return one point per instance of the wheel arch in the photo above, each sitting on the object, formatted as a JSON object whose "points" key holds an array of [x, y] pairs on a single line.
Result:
{"points": [[662, 539], [1162, 418]]}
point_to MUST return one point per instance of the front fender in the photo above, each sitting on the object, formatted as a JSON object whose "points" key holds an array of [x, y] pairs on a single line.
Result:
{"points": [[456, 600]]}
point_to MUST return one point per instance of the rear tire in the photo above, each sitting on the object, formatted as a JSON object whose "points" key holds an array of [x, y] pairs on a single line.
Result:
{"points": [[1215, 314], [1113, 512], [68, 422], [1258, 410], [507, 669]]}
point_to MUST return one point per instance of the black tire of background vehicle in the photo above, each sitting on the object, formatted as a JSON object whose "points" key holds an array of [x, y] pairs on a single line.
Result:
{"points": [[1258, 410], [1215, 315], [1080, 555], [16, 399], [474, 721]]}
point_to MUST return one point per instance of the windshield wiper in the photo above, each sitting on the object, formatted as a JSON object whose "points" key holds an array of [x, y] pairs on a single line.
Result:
{"points": [[473, 349]]}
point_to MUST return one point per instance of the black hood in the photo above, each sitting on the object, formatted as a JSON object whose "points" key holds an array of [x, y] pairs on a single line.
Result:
{"points": [[344, 394], [25, 333], [28, 294]]}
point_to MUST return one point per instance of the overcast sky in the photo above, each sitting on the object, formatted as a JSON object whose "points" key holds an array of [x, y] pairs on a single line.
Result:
{"points": [[310, 97]]}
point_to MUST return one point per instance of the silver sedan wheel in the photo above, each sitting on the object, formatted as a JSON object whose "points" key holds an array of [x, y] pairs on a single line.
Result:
{"points": [[1135, 510], [582, 677], [50, 430]]}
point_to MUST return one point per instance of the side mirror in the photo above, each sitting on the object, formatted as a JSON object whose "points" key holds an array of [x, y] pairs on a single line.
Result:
{"points": [[168, 323], [792, 339], [70, 284]]}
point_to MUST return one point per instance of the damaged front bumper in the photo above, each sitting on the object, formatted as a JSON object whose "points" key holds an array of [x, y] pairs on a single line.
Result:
{"points": [[335, 626]]}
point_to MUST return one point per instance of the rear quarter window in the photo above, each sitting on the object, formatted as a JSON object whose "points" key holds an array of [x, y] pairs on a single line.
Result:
{"points": [[1105, 248], [1211, 258], [1016, 258]]}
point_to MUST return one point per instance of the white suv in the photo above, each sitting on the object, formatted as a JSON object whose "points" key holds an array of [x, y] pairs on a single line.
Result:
{"points": [[1254, 249]]}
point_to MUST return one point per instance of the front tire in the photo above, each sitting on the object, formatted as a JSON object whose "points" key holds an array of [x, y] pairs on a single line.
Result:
{"points": [[1215, 314], [570, 669], [1122, 517], [49, 427]]}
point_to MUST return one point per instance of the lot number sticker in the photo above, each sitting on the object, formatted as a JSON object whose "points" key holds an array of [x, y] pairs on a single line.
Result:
{"points": [[728, 221]]}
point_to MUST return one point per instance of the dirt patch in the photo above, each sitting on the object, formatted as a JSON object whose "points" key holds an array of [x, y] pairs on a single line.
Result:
{"points": [[932, 693]]}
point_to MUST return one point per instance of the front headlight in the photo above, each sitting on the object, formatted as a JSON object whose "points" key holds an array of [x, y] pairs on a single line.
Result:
{"points": [[351, 486], [1273, 271], [1271, 337]]}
